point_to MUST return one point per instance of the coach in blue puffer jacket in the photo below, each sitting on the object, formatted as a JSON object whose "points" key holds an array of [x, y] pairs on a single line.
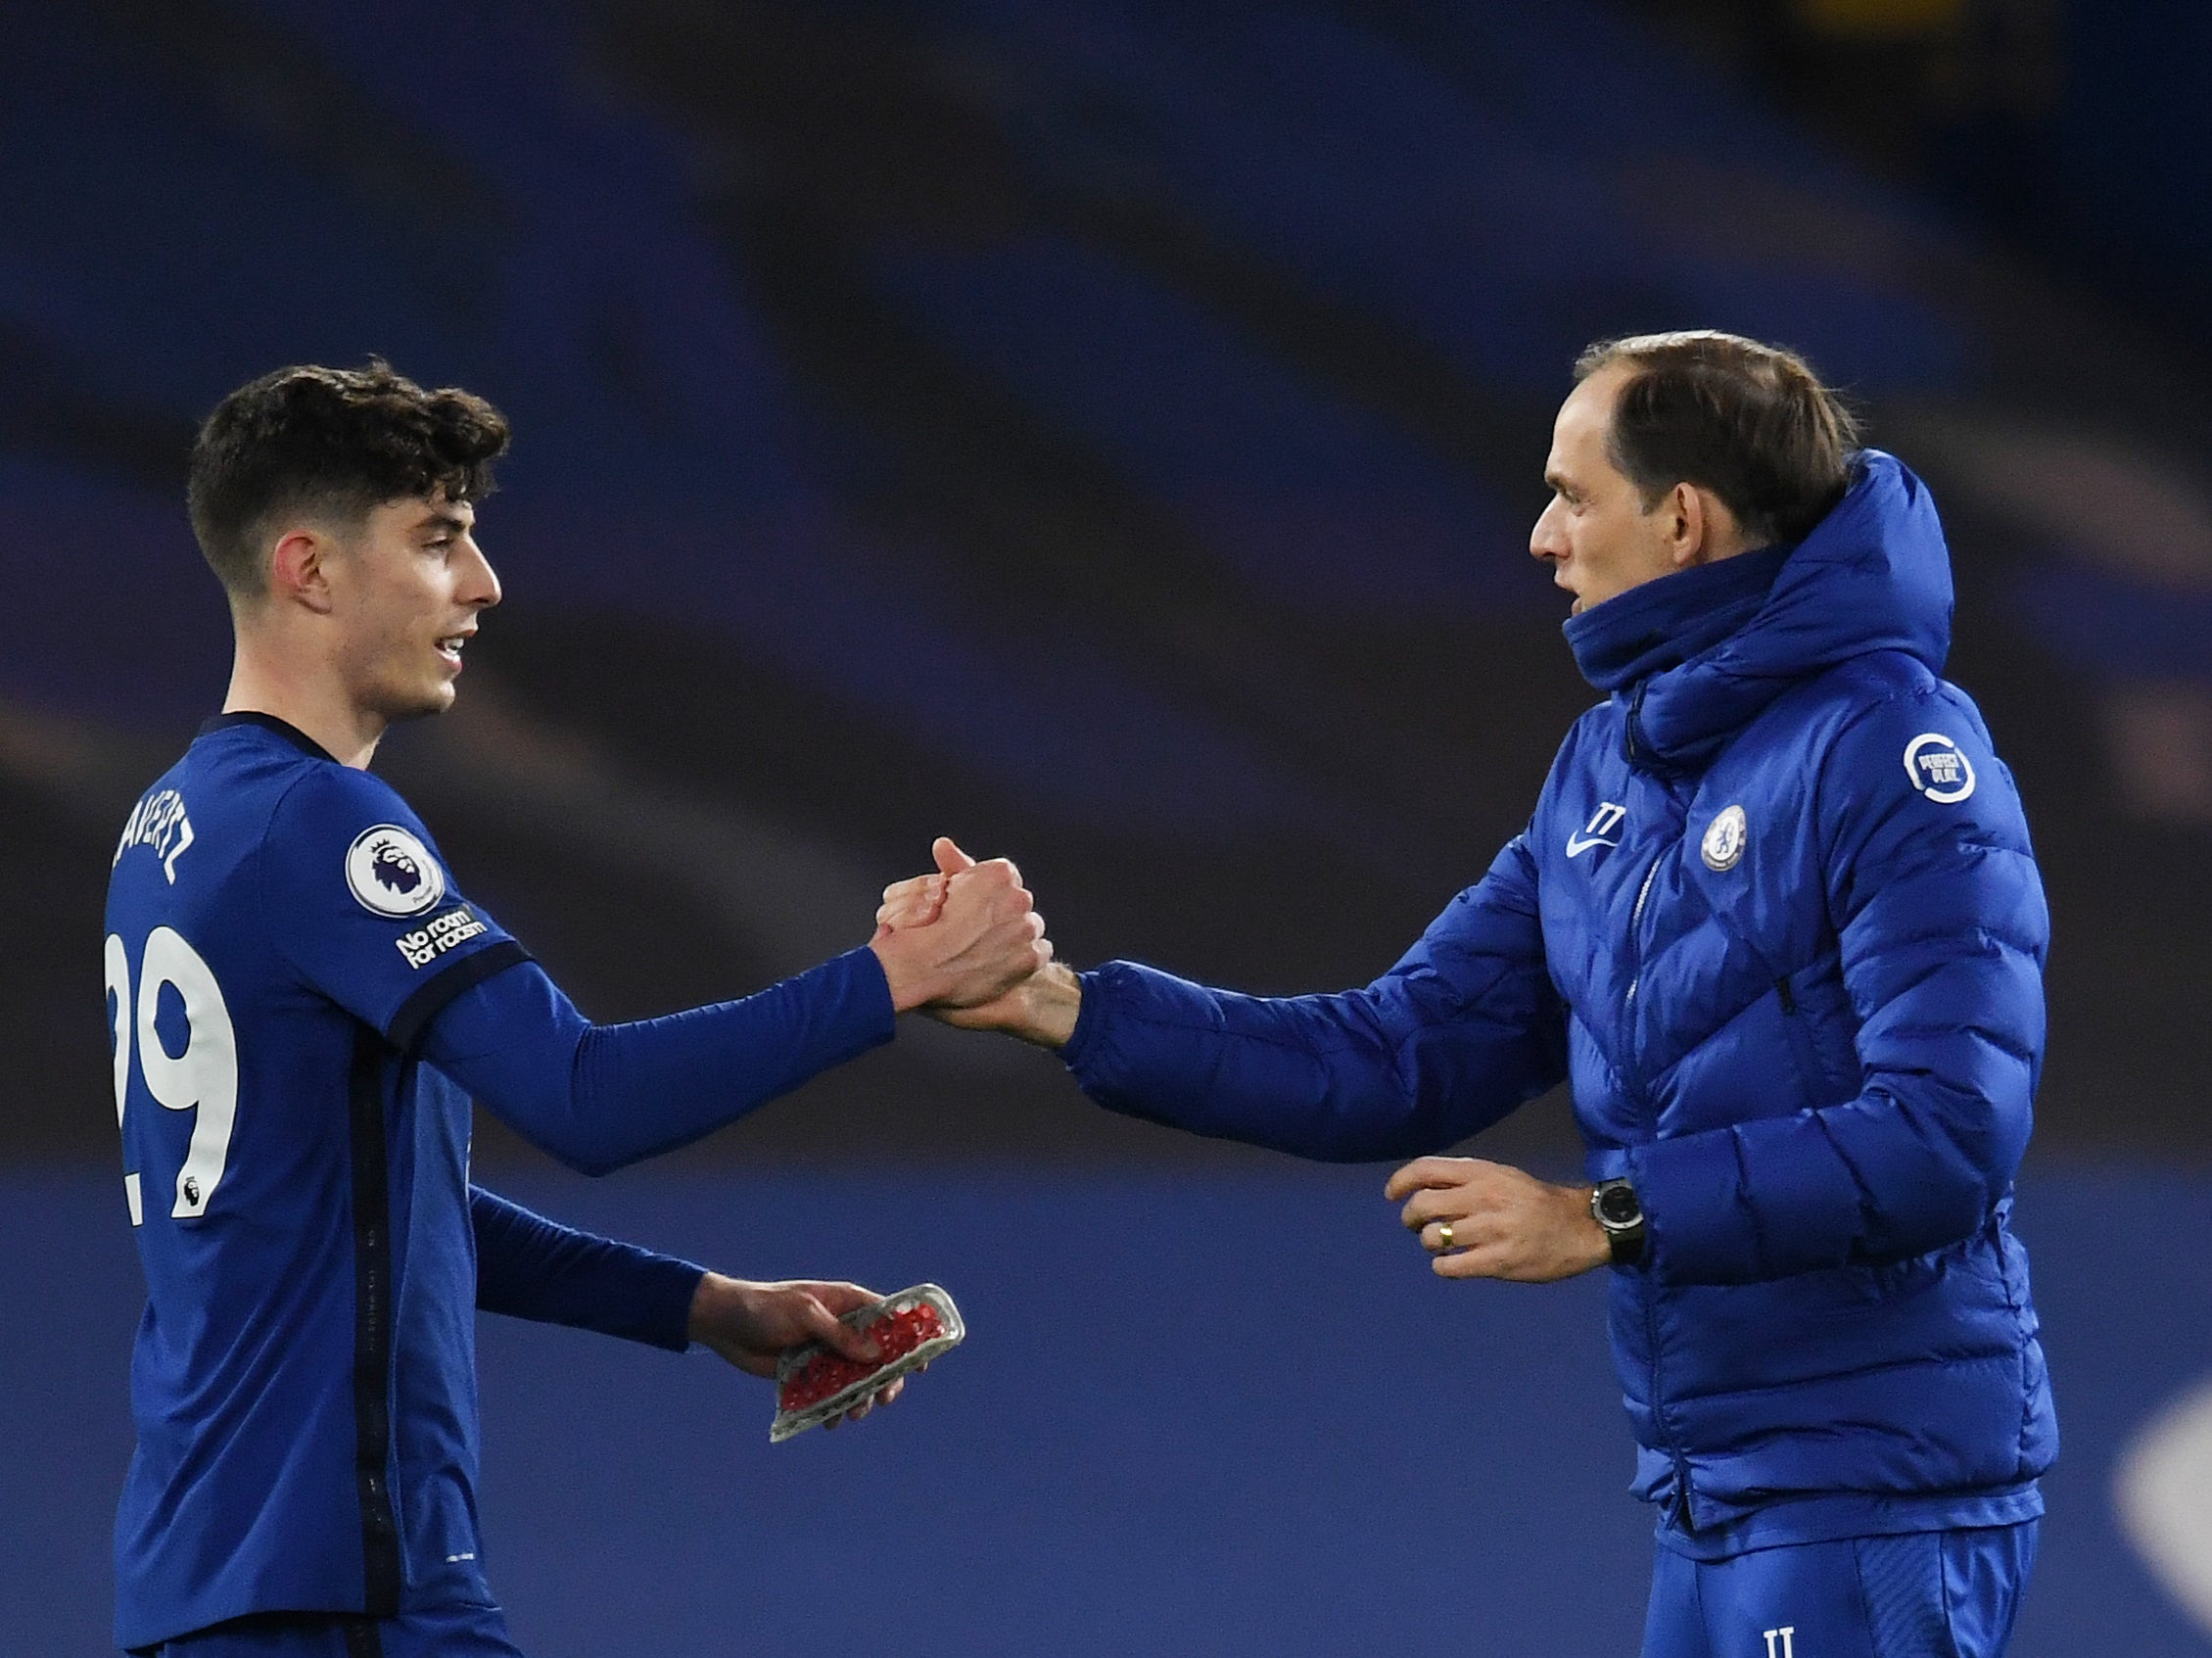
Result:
{"points": [[1776, 918]]}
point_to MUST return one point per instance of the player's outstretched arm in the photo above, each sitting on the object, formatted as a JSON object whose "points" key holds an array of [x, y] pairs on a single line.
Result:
{"points": [[371, 921], [1462, 1031], [598, 1097]]}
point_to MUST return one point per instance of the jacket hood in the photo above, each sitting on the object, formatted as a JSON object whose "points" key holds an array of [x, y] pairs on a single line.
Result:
{"points": [[1874, 575]]}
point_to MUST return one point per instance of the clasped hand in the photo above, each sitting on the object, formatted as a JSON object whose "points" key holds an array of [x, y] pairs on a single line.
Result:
{"points": [[1038, 1004], [973, 936]]}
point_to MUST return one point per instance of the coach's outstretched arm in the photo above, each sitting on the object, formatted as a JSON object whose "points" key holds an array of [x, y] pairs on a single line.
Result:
{"points": [[1466, 1027]]}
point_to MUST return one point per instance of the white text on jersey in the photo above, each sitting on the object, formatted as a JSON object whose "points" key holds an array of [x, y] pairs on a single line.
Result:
{"points": [[158, 822], [426, 944]]}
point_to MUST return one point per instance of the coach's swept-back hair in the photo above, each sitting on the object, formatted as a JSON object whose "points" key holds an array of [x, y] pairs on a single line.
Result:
{"points": [[1751, 423], [334, 443]]}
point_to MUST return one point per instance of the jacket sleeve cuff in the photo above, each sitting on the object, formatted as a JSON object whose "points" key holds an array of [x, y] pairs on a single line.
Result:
{"points": [[1092, 1015], [1145, 1043], [1698, 1228], [1762, 1200]]}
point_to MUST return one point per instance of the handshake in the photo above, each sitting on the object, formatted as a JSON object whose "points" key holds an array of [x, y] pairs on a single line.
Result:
{"points": [[965, 945]]}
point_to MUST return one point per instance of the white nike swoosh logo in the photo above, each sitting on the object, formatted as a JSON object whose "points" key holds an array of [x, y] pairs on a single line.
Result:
{"points": [[1577, 845]]}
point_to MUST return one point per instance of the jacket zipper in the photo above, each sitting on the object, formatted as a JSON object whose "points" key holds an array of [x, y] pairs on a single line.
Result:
{"points": [[1635, 934], [1650, 1309]]}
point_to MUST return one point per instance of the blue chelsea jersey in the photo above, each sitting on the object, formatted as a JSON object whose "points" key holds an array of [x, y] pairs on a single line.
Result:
{"points": [[280, 928]]}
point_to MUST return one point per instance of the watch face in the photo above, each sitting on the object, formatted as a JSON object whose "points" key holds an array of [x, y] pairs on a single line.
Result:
{"points": [[1618, 1205]]}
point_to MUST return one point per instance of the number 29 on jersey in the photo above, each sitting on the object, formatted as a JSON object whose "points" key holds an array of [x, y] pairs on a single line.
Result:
{"points": [[202, 1078]]}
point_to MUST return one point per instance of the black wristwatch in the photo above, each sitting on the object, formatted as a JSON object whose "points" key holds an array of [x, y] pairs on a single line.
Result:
{"points": [[1614, 1207]]}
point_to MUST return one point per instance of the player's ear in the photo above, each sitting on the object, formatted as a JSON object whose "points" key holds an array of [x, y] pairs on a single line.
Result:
{"points": [[297, 570]]}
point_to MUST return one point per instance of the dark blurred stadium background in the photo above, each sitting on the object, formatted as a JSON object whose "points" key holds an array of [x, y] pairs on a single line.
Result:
{"points": [[1107, 431]]}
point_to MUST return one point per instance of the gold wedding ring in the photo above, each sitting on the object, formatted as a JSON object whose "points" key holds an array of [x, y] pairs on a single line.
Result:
{"points": [[1443, 1236]]}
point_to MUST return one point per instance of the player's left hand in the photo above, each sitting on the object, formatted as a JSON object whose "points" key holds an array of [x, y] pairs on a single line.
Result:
{"points": [[1503, 1223], [753, 1325]]}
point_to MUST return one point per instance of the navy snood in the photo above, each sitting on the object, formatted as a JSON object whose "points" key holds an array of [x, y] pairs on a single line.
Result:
{"points": [[1665, 622]]}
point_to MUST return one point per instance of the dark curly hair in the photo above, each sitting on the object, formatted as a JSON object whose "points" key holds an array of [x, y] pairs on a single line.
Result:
{"points": [[334, 443], [1751, 423]]}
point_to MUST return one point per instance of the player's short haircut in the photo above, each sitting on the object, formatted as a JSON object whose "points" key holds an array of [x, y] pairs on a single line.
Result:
{"points": [[1751, 423], [331, 444]]}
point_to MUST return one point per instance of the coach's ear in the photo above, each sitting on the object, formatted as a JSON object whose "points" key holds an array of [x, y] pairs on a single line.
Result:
{"points": [[297, 570], [1698, 525]]}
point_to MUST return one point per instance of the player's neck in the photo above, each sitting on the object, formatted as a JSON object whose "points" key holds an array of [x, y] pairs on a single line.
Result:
{"points": [[314, 702]]}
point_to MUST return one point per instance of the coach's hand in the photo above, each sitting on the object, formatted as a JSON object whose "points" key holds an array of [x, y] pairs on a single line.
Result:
{"points": [[1484, 1220], [753, 1325], [1040, 1008], [976, 935]]}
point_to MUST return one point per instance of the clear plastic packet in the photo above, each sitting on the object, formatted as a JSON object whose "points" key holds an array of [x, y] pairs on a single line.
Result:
{"points": [[911, 1328]]}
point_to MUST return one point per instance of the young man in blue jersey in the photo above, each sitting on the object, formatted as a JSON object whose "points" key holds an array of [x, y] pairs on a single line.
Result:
{"points": [[303, 1004], [1776, 918]]}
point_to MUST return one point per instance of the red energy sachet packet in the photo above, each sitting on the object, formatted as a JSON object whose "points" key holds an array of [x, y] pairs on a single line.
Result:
{"points": [[909, 1329]]}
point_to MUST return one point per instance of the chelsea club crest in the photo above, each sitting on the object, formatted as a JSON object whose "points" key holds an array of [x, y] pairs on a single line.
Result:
{"points": [[1724, 839]]}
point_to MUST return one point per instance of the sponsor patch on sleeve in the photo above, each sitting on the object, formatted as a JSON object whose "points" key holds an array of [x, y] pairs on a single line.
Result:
{"points": [[1938, 767], [439, 935]]}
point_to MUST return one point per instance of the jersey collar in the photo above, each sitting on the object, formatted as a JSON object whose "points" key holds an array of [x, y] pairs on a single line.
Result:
{"points": [[284, 728]]}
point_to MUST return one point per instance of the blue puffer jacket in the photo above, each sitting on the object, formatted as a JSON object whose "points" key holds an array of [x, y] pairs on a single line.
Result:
{"points": [[1777, 919]]}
